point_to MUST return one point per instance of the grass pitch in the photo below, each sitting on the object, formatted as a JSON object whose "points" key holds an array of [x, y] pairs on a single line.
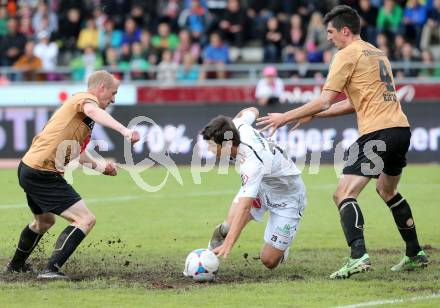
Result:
{"points": [[135, 254]]}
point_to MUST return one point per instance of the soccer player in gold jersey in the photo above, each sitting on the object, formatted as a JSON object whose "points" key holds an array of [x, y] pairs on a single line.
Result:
{"points": [[41, 170], [364, 74]]}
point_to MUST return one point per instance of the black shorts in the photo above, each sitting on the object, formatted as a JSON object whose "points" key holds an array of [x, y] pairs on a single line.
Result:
{"points": [[46, 192], [380, 151]]}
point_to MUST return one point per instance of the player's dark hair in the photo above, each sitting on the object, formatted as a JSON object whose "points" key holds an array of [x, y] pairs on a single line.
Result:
{"points": [[344, 16], [221, 129]]}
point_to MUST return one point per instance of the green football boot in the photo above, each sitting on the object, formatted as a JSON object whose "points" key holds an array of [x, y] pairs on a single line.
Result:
{"points": [[412, 263], [353, 266]]}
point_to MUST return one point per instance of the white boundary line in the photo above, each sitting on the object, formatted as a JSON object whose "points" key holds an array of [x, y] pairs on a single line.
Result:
{"points": [[129, 197], [392, 301], [197, 194]]}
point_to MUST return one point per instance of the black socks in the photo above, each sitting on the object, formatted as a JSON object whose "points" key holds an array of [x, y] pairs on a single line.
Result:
{"points": [[352, 222], [26, 244], [405, 223], [66, 244]]}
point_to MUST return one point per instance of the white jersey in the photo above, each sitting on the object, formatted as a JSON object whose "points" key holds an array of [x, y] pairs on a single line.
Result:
{"points": [[262, 163]]}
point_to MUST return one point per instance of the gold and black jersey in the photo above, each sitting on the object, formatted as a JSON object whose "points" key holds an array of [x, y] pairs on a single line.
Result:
{"points": [[364, 73], [64, 136]]}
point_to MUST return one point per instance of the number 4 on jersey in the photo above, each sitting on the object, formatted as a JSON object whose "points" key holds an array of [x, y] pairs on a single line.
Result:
{"points": [[385, 76]]}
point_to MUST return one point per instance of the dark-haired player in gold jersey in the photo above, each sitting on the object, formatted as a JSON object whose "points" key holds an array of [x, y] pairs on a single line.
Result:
{"points": [[40, 173], [364, 73]]}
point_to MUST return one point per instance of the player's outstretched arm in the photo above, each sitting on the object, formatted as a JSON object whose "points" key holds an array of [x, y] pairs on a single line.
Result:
{"points": [[275, 120], [337, 109], [253, 110], [101, 117], [340, 108], [239, 221], [100, 165]]}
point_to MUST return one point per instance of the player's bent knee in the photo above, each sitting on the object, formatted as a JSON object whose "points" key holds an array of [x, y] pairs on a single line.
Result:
{"points": [[42, 226], [87, 222], [385, 194], [338, 196], [270, 262]]}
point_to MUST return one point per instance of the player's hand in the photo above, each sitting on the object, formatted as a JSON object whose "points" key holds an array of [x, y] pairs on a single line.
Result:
{"points": [[223, 250], [272, 121], [110, 169], [301, 121], [132, 135], [135, 137]]}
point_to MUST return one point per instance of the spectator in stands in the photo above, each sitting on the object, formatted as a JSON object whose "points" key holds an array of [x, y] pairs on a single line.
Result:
{"points": [[295, 36], [399, 41], [195, 19], [186, 45], [408, 57], [100, 18], [139, 15], [368, 14], [112, 62], [233, 23], [427, 58], [44, 15], [272, 41], [12, 44], [47, 51], [81, 5], [125, 57], [25, 21], [166, 70], [132, 33], [164, 39], [270, 88], [148, 52], [327, 57], [88, 36], [138, 64], [109, 36], [431, 30], [43, 27], [258, 13], [187, 72], [28, 64], [82, 66], [69, 29], [216, 55], [303, 69], [187, 4], [382, 41], [117, 10], [3, 21], [389, 17], [414, 17], [25, 27], [316, 40], [169, 12]]}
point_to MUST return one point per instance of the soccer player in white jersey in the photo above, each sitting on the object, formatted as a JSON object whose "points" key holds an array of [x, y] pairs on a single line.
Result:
{"points": [[270, 183]]}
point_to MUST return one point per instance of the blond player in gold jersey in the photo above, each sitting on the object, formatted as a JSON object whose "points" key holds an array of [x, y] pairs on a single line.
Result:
{"points": [[364, 74], [40, 173]]}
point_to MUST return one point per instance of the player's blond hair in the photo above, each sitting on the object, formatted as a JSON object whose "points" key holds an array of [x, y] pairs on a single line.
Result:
{"points": [[98, 77]]}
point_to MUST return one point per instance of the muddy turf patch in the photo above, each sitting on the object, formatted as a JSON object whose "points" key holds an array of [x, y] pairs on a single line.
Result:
{"points": [[110, 262]]}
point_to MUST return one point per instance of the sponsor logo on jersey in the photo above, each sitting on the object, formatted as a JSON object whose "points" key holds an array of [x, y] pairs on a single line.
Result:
{"points": [[285, 229], [275, 205], [244, 179]]}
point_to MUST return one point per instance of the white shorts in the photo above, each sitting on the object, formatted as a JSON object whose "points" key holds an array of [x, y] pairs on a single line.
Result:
{"points": [[285, 213]]}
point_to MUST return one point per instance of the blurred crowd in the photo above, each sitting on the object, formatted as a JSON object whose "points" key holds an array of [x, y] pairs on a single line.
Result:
{"points": [[188, 40]]}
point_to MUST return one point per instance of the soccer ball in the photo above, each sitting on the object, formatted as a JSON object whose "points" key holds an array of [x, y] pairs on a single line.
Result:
{"points": [[201, 265]]}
